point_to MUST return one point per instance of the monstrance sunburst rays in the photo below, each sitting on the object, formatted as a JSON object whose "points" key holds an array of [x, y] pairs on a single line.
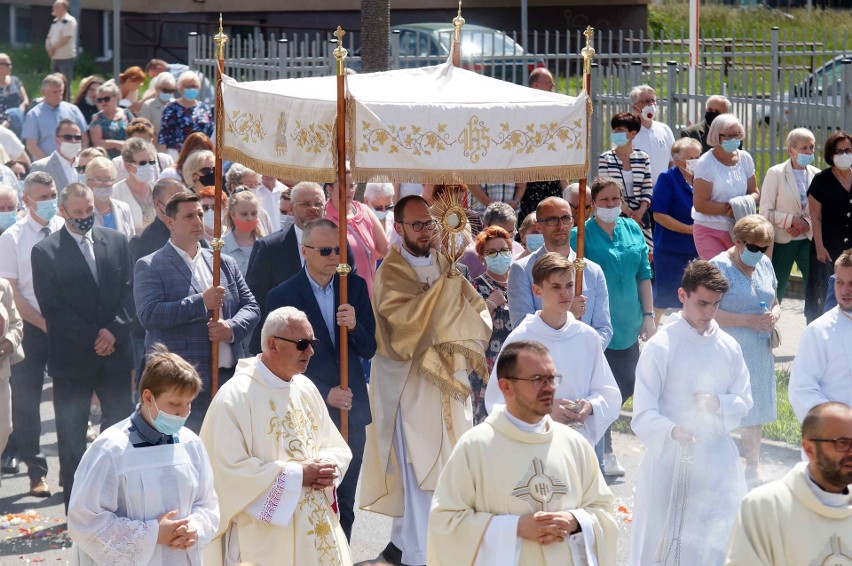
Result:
{"points": [[452, 228]]}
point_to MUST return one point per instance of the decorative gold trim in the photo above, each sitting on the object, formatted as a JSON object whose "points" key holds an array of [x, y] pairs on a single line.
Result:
{"points": [[343, 269], [278, 170], [433, 177], [217, 244]]}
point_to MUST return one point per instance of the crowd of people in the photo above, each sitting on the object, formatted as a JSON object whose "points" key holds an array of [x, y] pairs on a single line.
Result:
{"points": [[480, 395]]}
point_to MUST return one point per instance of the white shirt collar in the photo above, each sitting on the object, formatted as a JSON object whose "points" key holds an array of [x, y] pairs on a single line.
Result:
{"points": [[414, 260], [185, 256], [79, 237], [826, 497], [539, 427], [269, 378]]}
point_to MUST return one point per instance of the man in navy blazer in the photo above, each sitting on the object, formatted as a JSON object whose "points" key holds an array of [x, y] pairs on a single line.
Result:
{"points": [[174, 294], [278, 257], [82, 281], [315, 290]]}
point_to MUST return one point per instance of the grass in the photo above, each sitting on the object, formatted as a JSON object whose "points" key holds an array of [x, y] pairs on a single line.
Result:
{"points": [[786, 427]]}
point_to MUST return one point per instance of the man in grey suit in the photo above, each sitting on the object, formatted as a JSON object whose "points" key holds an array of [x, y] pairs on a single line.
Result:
{"points": [[60, 163], [554, 221]]}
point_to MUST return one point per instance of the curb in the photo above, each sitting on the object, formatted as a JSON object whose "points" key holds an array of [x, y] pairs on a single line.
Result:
{"points": [[772, 448]]}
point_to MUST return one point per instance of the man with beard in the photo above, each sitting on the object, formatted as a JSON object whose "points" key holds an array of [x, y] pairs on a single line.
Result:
{"points": [[822, 370], [431, 330], [805, 517], [715, 105]]}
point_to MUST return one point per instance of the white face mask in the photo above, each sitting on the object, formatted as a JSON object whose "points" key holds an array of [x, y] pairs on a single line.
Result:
{"points": [[608, 215], [208, 218], [843, 161], [649, 112], [690, 166], [145, 173], [70, 150], [102, 194], [380, 214]]}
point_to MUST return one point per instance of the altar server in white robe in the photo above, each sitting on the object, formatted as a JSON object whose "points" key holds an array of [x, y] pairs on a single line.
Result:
{"points": [[822, 370], [805, 517], [692, 389], [143, 492], [277, 457], [521, 489], [588, 399]]}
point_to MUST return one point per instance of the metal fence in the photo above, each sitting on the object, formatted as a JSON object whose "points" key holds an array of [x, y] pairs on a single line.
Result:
{"points": [[776, 81]]}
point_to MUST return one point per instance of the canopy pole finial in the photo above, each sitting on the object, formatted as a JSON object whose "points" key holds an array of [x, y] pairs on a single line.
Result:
{"points": [[458, 22], [221, 39], [588, 51], [340, 52]]}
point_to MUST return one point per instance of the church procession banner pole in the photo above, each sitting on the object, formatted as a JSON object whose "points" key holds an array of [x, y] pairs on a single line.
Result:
{"points": [[343, 268], [217, 244], [580, 264]]}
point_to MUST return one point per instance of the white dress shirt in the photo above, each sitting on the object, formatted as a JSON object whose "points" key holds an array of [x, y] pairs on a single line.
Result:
{"points": [[16, 245]]}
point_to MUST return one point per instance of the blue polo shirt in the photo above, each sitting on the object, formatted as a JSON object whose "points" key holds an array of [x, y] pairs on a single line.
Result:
{"points": [[673, 196], [624, 260], [40, 123]]}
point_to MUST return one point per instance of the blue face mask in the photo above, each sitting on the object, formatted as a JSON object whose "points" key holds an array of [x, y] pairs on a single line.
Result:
{"points": [[499, 264], [166, 423], [166, 96], [190, 93], [7, 219], [804, 159], [46, 209], [534, 241], [750, 258], [731, 145], [619, 138]]}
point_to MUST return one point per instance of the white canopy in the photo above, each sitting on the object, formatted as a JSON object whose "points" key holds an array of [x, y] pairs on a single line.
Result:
{"points": [[438, 124]]}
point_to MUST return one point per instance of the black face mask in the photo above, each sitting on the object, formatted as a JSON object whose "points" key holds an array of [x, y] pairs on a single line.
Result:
{"points": [[709, 117], [208, 180]]}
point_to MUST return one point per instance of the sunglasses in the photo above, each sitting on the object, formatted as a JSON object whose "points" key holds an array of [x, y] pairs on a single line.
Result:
{"points": [[21, 176], [71, 137], [301, 344], [80, 169], [103, 99], [206, 207], [754, 248], [383, 208], [144, 163], [207, 170], [167, 90], [324, 252]]}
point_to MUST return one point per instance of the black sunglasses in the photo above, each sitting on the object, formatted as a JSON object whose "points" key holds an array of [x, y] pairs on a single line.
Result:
{"points": [[206, 207], [754, 248], [143, 163], [103, 99], [80, 169], [207, 170], [324, 252], [71, 137], [301, 344]]}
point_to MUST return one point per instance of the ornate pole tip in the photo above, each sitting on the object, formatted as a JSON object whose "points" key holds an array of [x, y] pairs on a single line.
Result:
{"points": [[340, 52]]}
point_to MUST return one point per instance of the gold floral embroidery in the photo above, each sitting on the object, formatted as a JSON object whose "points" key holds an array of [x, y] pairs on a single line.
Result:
{"points": [[313, 138], [246, 126], [474, 138]]}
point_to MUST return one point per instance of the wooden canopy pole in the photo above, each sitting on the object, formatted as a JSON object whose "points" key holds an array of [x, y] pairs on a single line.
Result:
{"points": [[343, 268], [580, 264], [217, 244]]}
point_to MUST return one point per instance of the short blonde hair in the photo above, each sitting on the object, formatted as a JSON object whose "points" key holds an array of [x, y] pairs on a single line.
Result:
{"points": [[720, 123], [188, 76], [194, 163], [109, 88], [798, 136], [683, 143], [753, 229], [100, 164]]}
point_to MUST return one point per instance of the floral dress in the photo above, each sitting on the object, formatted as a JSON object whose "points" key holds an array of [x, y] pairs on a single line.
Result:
{"points": [[535, 193], [485, 285], [179, 122], [115, 129]]}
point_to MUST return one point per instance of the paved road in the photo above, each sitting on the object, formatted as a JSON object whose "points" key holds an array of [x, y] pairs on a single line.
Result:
{"points": [[39, 535]]}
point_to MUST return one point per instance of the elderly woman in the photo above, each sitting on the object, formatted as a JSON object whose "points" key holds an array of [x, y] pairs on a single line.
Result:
{"points": [[530, 236], [199, 170], [87, 94], [109, 212], [8, 207], [721, 176], [239, 175], [140, 161], [496, 214], [618, 245], [193, 143], [379, 197], [749, 312], [366, 236], [109, 125], [784, 202], [494, 248], [243, 227], [13, 97], [185, 115], [165, 86], [830, 207], [674, 246], [141, 128], [632, 166]]}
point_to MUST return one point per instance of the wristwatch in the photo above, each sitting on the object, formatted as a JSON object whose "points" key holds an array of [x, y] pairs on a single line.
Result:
{"points": [[648, 314]]}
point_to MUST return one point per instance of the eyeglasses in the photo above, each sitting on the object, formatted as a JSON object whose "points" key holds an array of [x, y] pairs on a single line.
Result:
{"points": [[505, 252], [313, 204], [103, 99], [207, 170], [206, 207], [80, 169], [538, 381], [301, 344], [729, 136], [144, 163], [843, 151], [418, 226], [754, 248], [102, 181], [71, 137], [4, 64], [324, 252], [554, 220], [383, 208], [21, 176], [842, 445], [167, 90]]}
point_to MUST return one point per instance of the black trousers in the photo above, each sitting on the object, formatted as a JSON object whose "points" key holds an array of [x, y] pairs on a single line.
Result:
{"points": [[201, 403], [346, 489], [27, 382], [623, 366], [72, 395]]}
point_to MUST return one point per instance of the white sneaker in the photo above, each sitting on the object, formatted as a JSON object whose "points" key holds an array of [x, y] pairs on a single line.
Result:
{"points": [[612, 467]]}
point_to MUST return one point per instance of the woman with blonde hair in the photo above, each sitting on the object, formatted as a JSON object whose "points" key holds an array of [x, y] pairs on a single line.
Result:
{"points": [[748, 312], [109, 212], [193, 143], [199, 170], [109, 125], [244, 228], [185, 115]]}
